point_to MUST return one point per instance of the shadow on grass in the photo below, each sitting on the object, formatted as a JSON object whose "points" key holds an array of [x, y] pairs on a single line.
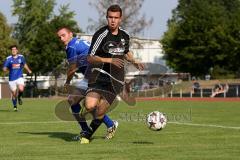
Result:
{"points": [[69, 137], [142, 142], [6, 110]]}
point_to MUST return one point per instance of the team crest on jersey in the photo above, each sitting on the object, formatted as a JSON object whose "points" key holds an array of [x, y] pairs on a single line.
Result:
{"points": [[15, 66], [114, 48], [19, 61]]}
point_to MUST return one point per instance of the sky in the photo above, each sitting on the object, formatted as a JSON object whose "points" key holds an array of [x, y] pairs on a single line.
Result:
{"points": [[159, 10]]}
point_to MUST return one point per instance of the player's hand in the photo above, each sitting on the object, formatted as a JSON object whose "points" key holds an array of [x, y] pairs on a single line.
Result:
{"points": [[30, 73], [117, 62], [140, 66]]}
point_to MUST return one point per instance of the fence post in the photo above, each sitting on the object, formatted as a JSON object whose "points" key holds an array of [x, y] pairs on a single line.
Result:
{"points": [[0, 90], [181, 93], [237, 91], [201, 92], [162, 93]]}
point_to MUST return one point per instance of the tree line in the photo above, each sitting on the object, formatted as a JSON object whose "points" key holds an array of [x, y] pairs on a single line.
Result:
{"points": [[203, 37], [35, 30]]}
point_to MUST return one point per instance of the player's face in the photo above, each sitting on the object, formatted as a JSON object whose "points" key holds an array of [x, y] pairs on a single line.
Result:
{"points": [[114, 20], [14, 51], [65, 35]]}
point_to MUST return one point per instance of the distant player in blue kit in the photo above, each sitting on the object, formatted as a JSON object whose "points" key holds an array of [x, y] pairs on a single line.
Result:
{"points": [[15, 64], [77, 51]]}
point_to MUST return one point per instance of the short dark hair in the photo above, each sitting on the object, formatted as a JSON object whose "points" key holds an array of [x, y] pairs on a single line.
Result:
{"points": [[115, 8], [64, 27], [13, 46]]}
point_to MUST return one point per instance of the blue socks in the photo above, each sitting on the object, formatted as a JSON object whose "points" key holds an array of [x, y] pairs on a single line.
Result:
{"points": [[14, 101], [107, 121]]}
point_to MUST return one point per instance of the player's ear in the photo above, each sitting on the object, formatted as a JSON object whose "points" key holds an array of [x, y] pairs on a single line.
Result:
{"points": [[71, 34]]}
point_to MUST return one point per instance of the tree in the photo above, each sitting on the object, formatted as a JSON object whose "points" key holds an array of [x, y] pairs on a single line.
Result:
{"points": [[32, 15], [132, 21], [203, 36], [48, 45], [5, 38], [36, 32]]}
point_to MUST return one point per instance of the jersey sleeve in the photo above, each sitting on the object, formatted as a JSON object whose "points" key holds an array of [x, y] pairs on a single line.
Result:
{"points": [[127, 45], [92, 50], [82, 53], [97, 40], [6, 64], [23, 60], [71, 55], [84, 47]]}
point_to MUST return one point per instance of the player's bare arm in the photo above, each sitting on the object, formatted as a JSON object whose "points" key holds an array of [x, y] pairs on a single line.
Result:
{"points": [[70, 73], [5, 69], [28, 69], [129, 57], [115, 61]]}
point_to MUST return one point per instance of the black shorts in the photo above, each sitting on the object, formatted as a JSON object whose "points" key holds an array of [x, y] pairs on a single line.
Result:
{"points": [[105, 89]]}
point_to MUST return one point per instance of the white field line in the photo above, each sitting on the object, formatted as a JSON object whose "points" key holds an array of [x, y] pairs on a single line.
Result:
{"points": [[43, 122], [177, 123], [205, 125]]}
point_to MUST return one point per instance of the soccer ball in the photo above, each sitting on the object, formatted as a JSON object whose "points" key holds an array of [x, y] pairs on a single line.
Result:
{"points": [[156, 120]]}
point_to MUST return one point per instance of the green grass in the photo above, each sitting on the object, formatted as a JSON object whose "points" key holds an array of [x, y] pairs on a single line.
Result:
{"points": [[196, 131]]}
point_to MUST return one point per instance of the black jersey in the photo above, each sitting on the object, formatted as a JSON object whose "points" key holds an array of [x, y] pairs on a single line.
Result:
{"points": [[105, 44]]}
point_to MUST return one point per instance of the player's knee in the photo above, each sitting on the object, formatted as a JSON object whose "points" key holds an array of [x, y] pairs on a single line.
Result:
{"points": [[14, 94], [90, 105], [21, 88]]}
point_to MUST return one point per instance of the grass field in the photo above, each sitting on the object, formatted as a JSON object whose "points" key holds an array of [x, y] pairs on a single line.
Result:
{"points": [[196, 131]]}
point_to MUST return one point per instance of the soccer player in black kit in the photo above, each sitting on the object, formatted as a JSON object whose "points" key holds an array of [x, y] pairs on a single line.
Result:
{"points": [[109, 48]]}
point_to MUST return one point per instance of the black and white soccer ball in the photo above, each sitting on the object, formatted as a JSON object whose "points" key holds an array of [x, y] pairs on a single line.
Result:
{"points": [[156, 120]]}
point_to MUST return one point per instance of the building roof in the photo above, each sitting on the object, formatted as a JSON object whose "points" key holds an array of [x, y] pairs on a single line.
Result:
{"points": [[150, 69]]}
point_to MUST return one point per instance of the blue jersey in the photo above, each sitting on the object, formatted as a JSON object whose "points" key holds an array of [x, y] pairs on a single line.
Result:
{"points": [[77, 51], [15, 66]]}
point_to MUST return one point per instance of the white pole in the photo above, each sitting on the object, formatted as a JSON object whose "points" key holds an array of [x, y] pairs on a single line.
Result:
{"points": [[0, 90], [163, 93], [237, 91]]}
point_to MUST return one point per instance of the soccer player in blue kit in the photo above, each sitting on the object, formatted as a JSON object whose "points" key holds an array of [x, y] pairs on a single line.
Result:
{"points": [[76, 52], [15, 64]]}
